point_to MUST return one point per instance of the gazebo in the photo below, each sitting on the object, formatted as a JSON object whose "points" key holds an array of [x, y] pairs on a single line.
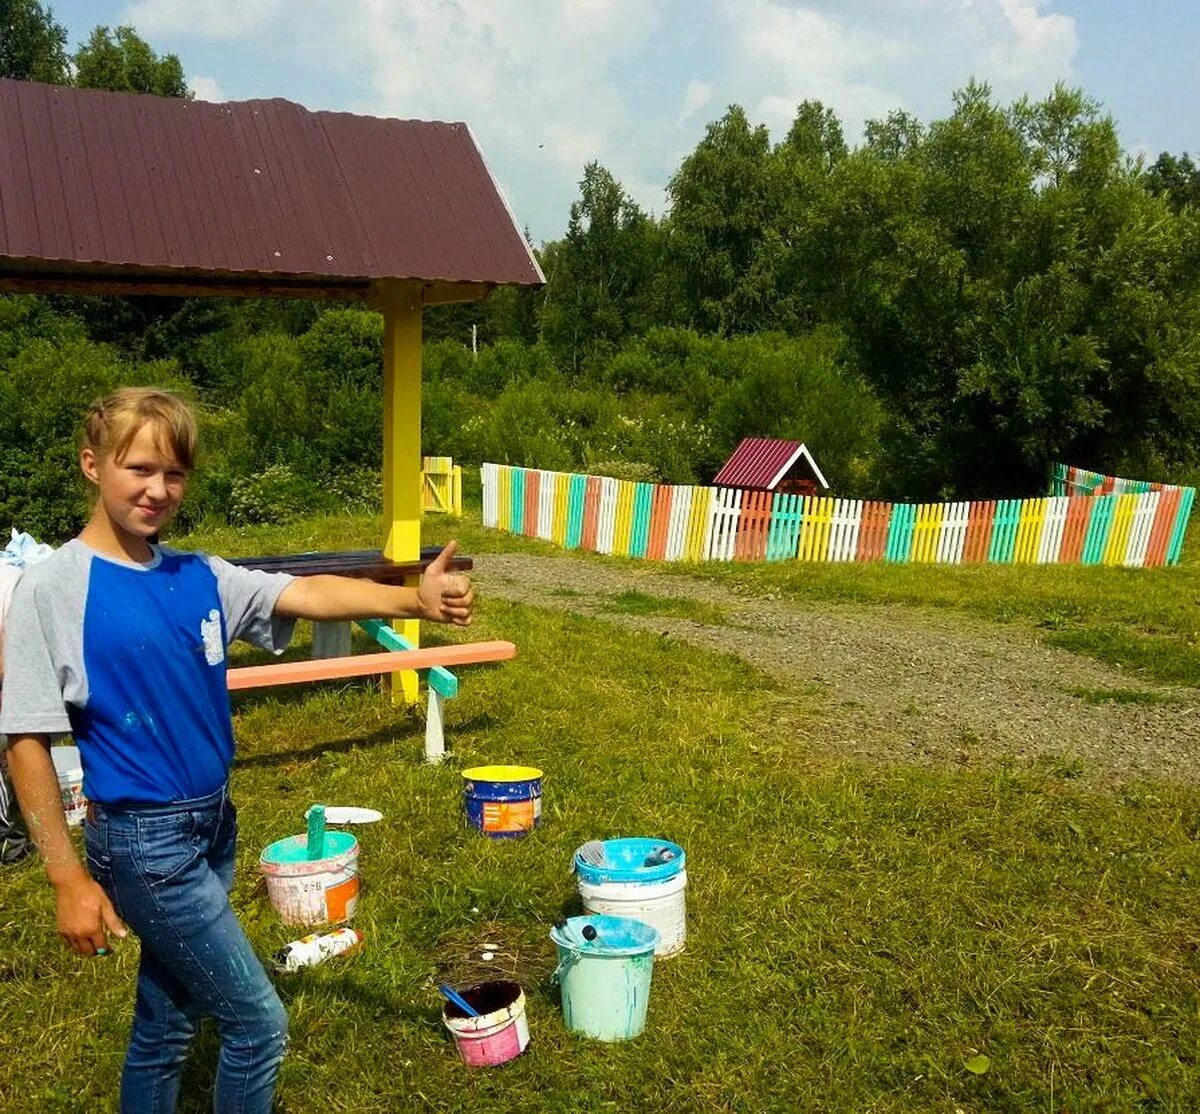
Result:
{"points": [[119, 193]]}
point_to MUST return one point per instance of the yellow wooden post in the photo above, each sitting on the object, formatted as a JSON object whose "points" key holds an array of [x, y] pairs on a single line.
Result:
{"points": [[401, 306]]}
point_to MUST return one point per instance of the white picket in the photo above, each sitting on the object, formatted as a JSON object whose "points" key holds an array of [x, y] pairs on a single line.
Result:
{"points": [[681, 507], [945, 534], [962, 523], [851, 549], [1143, 522], [1055, 515], [721, 536], [837, 529], [607, 517], [487, 478], [545, 522]]}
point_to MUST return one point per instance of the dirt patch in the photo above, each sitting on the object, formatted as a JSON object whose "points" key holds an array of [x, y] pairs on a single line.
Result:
{"points": [[899, 684]]}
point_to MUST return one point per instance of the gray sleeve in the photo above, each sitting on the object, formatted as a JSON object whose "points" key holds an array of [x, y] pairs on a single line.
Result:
{"points": [[248, 599], [34, 703]]}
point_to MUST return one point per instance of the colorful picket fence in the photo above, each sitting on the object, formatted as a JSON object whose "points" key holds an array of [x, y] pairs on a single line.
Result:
{"points": [[1066, 479], [679, 523]]}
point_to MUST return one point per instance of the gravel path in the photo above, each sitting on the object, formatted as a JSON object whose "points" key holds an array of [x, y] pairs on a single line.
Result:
{"points": [[900, 684]]}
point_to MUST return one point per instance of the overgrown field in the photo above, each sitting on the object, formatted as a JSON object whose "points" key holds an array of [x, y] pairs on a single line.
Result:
{"points": [[860, 936]]}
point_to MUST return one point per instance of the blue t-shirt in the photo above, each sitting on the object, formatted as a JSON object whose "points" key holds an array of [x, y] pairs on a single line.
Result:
{"points": [[131, 659]]}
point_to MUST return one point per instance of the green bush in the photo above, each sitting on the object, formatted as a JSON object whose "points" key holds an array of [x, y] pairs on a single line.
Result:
{"points": [[274, 495], [45, 389]]}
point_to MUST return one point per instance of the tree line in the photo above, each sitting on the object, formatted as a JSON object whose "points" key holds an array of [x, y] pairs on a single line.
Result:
{"points": [[940, 310]]}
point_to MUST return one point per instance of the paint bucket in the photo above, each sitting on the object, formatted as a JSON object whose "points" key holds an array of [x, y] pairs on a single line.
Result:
{"points": [[624, 886], [499, 1034], [70, 783], [606, 981], [312, 891], [503, 801]]}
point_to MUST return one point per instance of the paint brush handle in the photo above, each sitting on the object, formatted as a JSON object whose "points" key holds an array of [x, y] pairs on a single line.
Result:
{"points": [[316, 832], [453, 996]]}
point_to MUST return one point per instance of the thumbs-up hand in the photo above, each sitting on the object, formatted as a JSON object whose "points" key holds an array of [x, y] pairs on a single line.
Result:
{"points": [[446, 596]]}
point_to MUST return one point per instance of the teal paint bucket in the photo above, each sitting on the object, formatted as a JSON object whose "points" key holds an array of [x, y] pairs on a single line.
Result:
{"points": [[605, 982]]}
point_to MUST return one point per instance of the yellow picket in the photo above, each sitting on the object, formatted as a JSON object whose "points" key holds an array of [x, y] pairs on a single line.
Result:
{"points": [[558, 532], [698, 523], [504, 497], [1118, 535]]}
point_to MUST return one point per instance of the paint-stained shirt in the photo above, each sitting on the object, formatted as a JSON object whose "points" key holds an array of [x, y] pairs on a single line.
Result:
{"points": [[131, 660]]}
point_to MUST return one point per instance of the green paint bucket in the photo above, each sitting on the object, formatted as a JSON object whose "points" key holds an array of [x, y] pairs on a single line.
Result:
{"points": [[605, 981]]}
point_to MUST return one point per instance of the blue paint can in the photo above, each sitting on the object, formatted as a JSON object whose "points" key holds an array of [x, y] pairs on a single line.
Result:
{"points": [[503, 801]]}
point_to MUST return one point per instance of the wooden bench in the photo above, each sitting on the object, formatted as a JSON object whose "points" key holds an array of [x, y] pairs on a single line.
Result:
{"points": [[332, 640], [331, 657]]}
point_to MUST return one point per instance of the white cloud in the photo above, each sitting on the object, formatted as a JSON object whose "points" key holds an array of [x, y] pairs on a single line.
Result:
{"points": [[206, 88], [539, 84], [866, 58], [695, 97], [203, 19]]}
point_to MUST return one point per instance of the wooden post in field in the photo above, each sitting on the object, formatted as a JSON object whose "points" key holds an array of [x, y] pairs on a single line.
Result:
{"points": [[400, 303]]}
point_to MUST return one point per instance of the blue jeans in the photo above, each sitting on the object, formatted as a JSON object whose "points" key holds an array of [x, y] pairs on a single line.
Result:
{"points": [[168, 870]]}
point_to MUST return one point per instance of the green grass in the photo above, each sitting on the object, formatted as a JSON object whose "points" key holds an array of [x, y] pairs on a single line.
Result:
{"points": [[858, 936], [668, 607]]}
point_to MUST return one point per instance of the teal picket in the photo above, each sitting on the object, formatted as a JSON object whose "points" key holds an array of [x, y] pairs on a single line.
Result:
{"points": [[518, 501], [1099, 526], [576, 493], [900, 532], [639, 531], [784, 532], [1181, 521], [1004, 531]]}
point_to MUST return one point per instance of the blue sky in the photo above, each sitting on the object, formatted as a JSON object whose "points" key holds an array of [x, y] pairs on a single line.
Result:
{"points": [[547, 85]]}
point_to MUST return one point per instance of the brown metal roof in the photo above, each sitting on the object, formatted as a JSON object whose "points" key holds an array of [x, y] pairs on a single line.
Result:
{"points": [[97, 184], [762, 462]]}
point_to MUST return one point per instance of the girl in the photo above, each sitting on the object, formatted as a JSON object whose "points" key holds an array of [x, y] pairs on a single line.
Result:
{"points": [[122, 642]]}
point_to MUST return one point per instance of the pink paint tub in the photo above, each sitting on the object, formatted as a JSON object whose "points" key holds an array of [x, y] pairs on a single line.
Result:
{"points": [[499, 1034]]}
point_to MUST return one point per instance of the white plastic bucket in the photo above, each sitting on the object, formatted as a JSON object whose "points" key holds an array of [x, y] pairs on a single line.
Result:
{"points": [[312, 891], [663, 905], [499, 1034], [70, 783]]}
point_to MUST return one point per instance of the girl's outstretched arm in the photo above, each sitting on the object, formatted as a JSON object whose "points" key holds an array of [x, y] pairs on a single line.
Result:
{"points": [[443, 596], [84, 911]]}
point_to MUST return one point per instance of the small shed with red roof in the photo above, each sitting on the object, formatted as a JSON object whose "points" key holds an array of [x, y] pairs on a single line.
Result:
{"points": [[767, 464]]}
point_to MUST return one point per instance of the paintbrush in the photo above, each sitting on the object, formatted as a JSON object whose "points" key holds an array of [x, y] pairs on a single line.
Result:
{"points": [[452, 995]]}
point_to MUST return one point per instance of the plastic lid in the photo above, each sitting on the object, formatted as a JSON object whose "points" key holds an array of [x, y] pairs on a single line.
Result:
{"points": [[502, 773], [625, 860]]}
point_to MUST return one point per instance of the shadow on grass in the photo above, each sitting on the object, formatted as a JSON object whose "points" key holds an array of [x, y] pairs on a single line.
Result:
{"points": [[384, 736]]}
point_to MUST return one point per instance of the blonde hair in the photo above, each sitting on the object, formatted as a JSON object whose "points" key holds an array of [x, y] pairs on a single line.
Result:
{"points": [[113, 422]]}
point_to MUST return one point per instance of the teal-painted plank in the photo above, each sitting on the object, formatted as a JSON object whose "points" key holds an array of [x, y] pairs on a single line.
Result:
{"points": [[576, 494], [440, 679], [1004, 531], [784, 529], [1097, 532], [1181, 524], [900, 532], [517, 518], [639, 539]]}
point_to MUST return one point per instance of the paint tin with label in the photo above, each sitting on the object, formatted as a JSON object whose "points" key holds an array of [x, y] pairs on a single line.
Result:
{"points": [[503, 802]]}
